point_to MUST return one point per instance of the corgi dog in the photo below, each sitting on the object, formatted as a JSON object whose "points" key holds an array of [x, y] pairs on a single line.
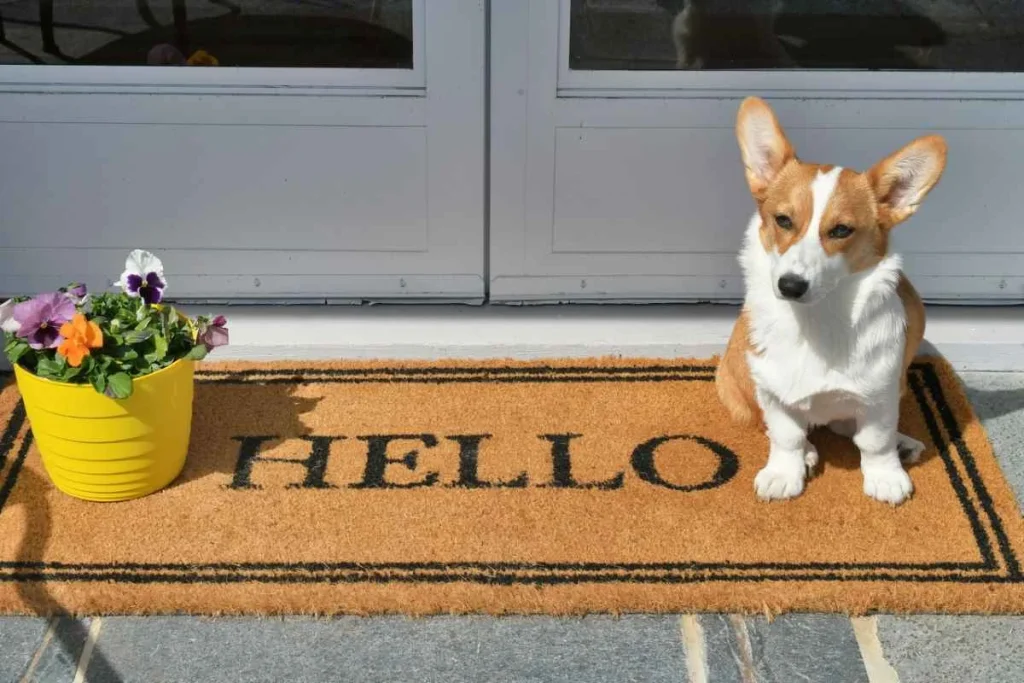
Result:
{"points": [[829, 323]]}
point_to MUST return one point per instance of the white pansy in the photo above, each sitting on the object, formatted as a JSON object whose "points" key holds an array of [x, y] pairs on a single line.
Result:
{"points": [[139, 265], [7, 322]]}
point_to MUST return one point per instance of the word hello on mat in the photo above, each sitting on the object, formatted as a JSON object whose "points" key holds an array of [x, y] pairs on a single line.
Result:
{"points": [[381, 449]]}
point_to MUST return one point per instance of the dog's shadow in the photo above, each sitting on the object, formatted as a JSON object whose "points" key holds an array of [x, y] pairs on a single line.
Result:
{"points": [[990, 404], [1006, 398]]}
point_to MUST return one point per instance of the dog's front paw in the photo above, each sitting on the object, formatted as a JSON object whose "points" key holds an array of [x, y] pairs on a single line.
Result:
{"points": [[887, 484], [781, 480]]}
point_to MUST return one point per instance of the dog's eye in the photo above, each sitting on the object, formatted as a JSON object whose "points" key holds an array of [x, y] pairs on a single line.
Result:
{"points": [[784, 222], [840, 232]]}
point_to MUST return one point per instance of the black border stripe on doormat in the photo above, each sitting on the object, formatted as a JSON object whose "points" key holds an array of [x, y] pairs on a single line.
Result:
{"points": [[924, 383], [934, 387], [452, 375]]}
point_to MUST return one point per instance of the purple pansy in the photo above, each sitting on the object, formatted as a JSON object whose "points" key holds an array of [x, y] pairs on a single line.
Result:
{"points": [[78, 293], [40, 319], [143, 277], [149, 288], [215, 334]]}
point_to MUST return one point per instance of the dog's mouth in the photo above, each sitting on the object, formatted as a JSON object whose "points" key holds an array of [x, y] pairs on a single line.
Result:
{"points": [[792, 300], [811, 298]]}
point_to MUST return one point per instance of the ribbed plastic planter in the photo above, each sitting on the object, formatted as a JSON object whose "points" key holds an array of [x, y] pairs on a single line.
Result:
{"points": [[103, 449]]}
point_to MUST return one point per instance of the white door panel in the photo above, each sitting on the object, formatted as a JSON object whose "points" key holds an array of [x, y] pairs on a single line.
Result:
{"points": [[627, 185], [217, 187], [253, 183], [637, 190]]}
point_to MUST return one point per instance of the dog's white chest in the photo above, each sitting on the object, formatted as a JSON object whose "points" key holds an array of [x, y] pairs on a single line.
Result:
{"points": [[788, 368], [826, 359], [822, 362]]}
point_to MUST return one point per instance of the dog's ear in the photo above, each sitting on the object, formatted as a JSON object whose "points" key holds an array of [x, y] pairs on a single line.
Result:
{"points": [[901, 180], [763, 144]]}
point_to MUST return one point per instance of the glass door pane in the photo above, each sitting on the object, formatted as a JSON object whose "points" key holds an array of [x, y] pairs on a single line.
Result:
{"points": [[352, 34], [648, 35]]}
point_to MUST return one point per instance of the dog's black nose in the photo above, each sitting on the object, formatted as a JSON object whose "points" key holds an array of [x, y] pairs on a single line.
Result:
{"points": [[793, 286]]}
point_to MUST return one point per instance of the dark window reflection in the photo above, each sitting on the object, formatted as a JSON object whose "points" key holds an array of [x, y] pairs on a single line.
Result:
{"points": [[952, 35], [256, 33]]}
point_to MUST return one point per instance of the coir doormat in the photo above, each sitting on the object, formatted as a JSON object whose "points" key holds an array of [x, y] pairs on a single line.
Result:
{"points": [[556, 487]]}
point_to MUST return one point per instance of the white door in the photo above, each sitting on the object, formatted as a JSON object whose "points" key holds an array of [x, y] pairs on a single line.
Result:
{"points": [[335, 153], [614, 169]]}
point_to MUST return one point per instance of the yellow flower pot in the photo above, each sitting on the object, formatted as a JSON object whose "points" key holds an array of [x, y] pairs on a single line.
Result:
{"points": [[104, 449]]}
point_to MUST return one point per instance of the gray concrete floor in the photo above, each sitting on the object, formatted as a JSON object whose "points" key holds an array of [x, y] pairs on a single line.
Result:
{"points": [[716, 648]]}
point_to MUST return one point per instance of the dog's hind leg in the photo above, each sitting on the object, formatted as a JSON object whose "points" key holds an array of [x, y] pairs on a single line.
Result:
{"points": [[733, 381], [910, 449], [845, 428], [810, 457]]}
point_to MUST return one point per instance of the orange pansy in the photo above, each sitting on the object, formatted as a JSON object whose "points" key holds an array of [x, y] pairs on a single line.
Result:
{"points": [[80, 335]]}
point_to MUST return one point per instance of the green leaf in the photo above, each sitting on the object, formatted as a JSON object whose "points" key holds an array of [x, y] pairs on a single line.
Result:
{"points": [[49, 368], [137, 336], [198, 352], [119, 385], [98, 381], [165, 321], [16, 351], [160, 346]]}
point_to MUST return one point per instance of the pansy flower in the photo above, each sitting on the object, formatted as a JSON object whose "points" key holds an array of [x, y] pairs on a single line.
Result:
{"points": [[214, 334], [143, 277], [80, 337], [40, 319], [8, 323], [77, 293]]}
